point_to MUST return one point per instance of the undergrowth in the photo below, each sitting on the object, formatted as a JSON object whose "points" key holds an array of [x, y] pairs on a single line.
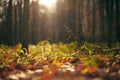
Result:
{"points": [[53, 52]]}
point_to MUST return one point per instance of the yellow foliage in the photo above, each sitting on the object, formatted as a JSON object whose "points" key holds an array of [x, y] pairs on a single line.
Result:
{"points": [[84, 71], [89, 69], [57, 63]]}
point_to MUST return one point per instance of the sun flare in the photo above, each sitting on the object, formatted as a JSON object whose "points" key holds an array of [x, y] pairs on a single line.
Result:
{"points": [[48, 3]]}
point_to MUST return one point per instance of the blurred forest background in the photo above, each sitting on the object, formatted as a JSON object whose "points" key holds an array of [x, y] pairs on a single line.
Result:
{"points": [[26, 21]]}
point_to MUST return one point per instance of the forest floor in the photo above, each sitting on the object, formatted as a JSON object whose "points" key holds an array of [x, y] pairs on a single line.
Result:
{"points": [[83, 63]]}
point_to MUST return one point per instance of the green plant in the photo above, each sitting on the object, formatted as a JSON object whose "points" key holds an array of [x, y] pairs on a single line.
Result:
{"points": [[92, 61]]}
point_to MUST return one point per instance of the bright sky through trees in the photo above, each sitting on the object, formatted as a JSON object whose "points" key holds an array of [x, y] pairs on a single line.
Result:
{"points": [[48, 3]]}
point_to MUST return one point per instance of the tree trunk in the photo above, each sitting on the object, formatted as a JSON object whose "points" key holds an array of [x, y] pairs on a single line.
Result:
{"points": [[102, 30], [84, 21], [25, 19], [118, 20], [77, 21], [81, 37], [94, 20], [9, 24], [109, 20]]}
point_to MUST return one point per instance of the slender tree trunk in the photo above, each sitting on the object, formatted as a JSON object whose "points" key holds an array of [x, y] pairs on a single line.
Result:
{"points": [[109, 20], [98, 32], [90, 19], [113, 28], [101, 3], [118, 20], [77, 21], [94, 20], [81, 19], [84, 21], [25, 23], [105, 22], [19, 15], [15, 25], [20, 20], [9, 24]]}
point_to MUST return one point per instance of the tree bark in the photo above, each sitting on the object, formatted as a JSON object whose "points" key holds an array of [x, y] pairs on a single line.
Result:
{"points": [[25, 19], [118, 20], [9, 24], [109, 20]]}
